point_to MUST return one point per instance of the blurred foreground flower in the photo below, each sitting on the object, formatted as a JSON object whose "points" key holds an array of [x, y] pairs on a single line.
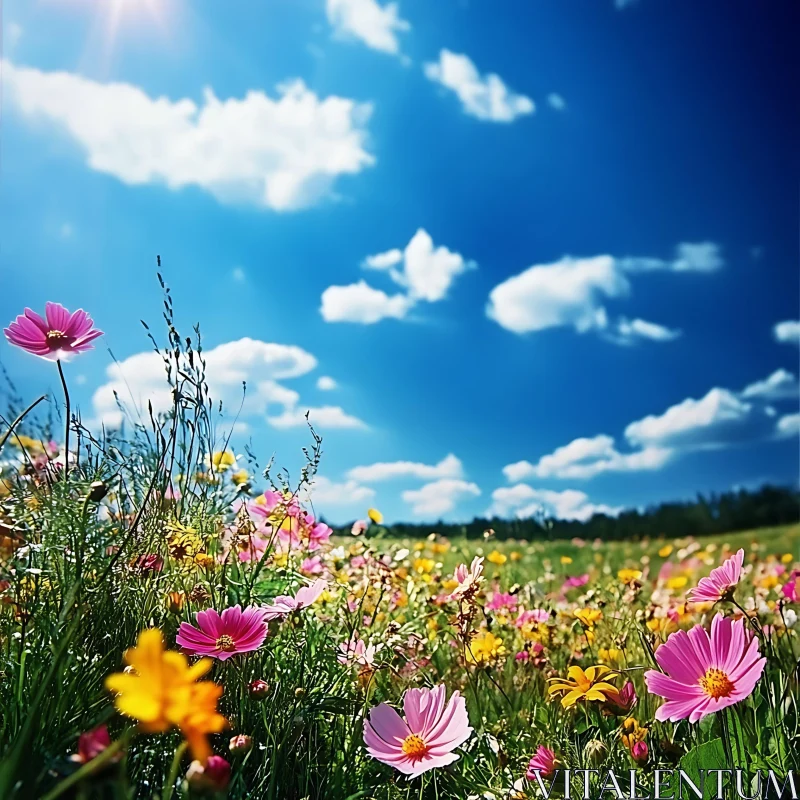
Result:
{"points": [[57, 337], [161, 692], [91, 744], [704, 673], [426, 737]]}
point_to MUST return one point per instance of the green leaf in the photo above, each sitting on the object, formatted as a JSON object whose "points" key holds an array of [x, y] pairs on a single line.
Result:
{"points": [[709, 755]]}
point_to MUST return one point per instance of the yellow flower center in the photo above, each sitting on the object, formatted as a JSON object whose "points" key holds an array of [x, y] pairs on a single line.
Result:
{"points": [[56, 337], [716, 684], [226, 643], [414, 747]]}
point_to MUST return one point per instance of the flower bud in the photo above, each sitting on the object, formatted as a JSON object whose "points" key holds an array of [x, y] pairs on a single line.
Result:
{"points": [[213, 777], [240, 744], [595, 751], [259, 689]]}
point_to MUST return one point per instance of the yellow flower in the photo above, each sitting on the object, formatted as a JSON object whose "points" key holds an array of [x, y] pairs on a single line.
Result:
{"points": [[496, 557], [678, 582], [632, 733], [515, 555], [588, 617], [161, 692], [629, 575], [175, 602], [768, 582], [223, 460], [610, 655], [240, 476], [787, 558], [204, 560], [583, 685], [440, 547], [424, 565], [375, 515], [449, 585], [485, 648], [665, 551], [183, 542], [566, 560]]}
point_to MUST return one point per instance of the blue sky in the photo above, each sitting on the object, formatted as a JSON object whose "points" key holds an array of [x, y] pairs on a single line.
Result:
{"points": [[547, 251]]}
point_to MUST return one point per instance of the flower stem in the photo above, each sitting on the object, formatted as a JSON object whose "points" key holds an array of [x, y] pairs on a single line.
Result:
{"points": [[90, 767], [66, 432], [173, 771]]}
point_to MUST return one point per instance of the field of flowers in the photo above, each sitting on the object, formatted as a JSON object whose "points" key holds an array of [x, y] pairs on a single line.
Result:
{"points": [[176, 621]]}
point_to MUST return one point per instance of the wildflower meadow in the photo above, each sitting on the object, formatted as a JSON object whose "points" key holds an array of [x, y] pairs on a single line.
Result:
{"points": [[176, 620]]}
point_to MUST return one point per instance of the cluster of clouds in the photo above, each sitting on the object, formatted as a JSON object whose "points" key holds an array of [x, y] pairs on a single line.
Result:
{"points": [[483, 96], [719, 419], [140, 381], [444, 485], [282, 153], [573, 292], [423, 271]]}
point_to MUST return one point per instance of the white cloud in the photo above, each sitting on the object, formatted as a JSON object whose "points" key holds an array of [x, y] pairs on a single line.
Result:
{"points": [[448, 467], [586, 457], [140, 379], [325, 492], [325, 383], [781, 385], [568, 292], [689, 257], [483, 96], [556, 101], [717, 419], [440, 496], [375, 25], [524, 501], [572, 292], [359, 302], [788, 331], [390, 258], [630, 331], [321, 417], [427, 273], [280, 153], [788, 426], [238, 274]]}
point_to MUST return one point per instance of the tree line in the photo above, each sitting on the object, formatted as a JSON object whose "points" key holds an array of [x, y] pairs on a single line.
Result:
{"points": [[738, 510]]}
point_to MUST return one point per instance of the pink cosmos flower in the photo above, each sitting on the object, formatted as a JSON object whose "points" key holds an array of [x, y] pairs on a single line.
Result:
{"points": [[213, 776], [719, 585], [702, 672], [356, 652], [501, 600], [359, 526], [426, 737], [544, 763], [312, 566], [224, 635], [535, 615], [469, 579], [59, 336], [284, 605], [575, 582], [791, 589]]}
